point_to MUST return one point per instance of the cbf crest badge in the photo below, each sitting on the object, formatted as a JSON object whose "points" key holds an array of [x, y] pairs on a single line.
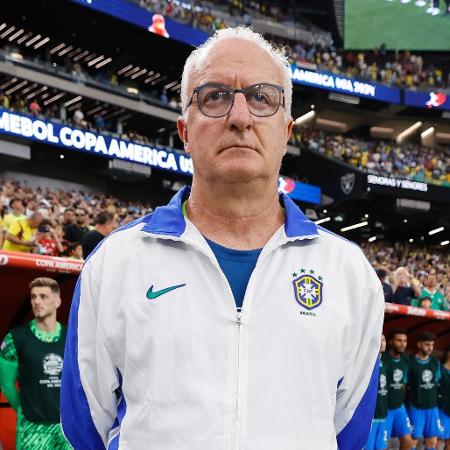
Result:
{"points": [[308, 289]]}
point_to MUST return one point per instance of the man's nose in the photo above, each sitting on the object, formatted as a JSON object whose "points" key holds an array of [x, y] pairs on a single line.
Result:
{"points": [[239, 116]]}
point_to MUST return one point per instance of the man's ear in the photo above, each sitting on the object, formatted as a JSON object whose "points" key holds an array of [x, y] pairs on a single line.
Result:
{"points": [[182, 132], [290, 126]]}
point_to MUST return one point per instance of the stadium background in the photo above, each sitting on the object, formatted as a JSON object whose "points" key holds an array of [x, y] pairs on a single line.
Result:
{"points": [[89, 100]]}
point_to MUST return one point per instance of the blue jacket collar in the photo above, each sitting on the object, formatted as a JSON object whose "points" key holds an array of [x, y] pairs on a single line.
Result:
{"points": [[169, 220]]}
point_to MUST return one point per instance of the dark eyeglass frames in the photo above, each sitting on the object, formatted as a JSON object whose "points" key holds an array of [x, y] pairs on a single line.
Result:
{"points": [[216, 100]]}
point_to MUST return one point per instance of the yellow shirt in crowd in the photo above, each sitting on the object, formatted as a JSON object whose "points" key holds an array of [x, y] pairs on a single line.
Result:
{"points": [[22, 230], [10, 218]]}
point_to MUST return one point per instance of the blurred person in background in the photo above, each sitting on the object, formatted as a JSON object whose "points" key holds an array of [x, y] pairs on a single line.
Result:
{"points": [[430, 291], [423, 378], [405, 287], [387, 289], [76, 251], [104, 224], [76, 231], [48, 241], [424, 302], [444, 399], [2, 215], [69, 218], [33, 354], [21, 235], [16, 212], [378, 433], [396, 364]]}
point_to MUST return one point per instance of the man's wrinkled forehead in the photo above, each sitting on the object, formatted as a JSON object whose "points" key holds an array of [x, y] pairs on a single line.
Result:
{"points": [[232, 59]]}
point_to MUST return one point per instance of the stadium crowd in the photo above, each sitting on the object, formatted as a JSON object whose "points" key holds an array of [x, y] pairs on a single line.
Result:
{"points": [[408, 160], [70, 223], [399, 68], [412, 275], [59, 223]]}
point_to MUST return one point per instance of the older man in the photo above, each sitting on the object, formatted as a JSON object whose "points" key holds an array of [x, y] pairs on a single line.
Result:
{"points": [[226, 319]]}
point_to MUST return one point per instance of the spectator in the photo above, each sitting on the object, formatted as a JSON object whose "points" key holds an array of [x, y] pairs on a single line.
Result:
{"points": [[4, 100], [437, 299], [405, 287], [173, 103], [17, 208], [68, 218], [47, 240], [105, 223], [76, 231], [387, 289], [99, 122], [163, 97], [34, 108], [76, 251], [78, 118], [424, 302], [20, 236]]}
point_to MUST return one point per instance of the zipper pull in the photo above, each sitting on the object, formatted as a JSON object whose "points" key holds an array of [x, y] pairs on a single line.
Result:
{"points": [[238, 315]]}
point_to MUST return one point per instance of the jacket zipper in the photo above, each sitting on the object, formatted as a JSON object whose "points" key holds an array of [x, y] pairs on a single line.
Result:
{"points": [[239, 323]]}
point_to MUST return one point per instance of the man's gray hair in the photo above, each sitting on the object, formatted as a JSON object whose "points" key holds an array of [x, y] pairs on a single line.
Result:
{"points": [[197, 58]]}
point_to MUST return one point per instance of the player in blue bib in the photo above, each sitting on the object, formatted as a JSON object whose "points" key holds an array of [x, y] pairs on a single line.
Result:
{"points": [[444, 399], [378, 433], [424, 374], [396, 364]]}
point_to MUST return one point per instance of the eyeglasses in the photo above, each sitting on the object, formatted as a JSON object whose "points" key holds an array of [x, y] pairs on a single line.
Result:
{"points": [[216, 100]]}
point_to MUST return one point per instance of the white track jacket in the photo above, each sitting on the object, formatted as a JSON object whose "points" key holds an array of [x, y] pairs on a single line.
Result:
{"points": [[158, 357]]}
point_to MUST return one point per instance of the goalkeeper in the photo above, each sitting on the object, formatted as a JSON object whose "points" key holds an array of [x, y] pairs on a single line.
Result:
{"points": [[33, 355]]}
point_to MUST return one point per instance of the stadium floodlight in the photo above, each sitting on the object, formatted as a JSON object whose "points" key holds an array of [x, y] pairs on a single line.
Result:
{"points": [[427, 132], [131, 72], [66, 50], [57, 48], [5, 85], [325, 219], [103, 63], [40, 44], [152, 78], [54, 98], [17, 86], [408, 132], [95, 60], [74, 100], [356, 225], [427, 137], [306, 118], [124, 69], [436, 230], [138, 74], [351, 100], [371, 239], [445, 242], [411, 240], [8, 31], [171, 84], [80, 55], [16, 35], [24, 38], [37, 92]]}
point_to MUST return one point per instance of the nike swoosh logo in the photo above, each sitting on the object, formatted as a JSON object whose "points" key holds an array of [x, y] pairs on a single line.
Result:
{"points": [[151, 294]]}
